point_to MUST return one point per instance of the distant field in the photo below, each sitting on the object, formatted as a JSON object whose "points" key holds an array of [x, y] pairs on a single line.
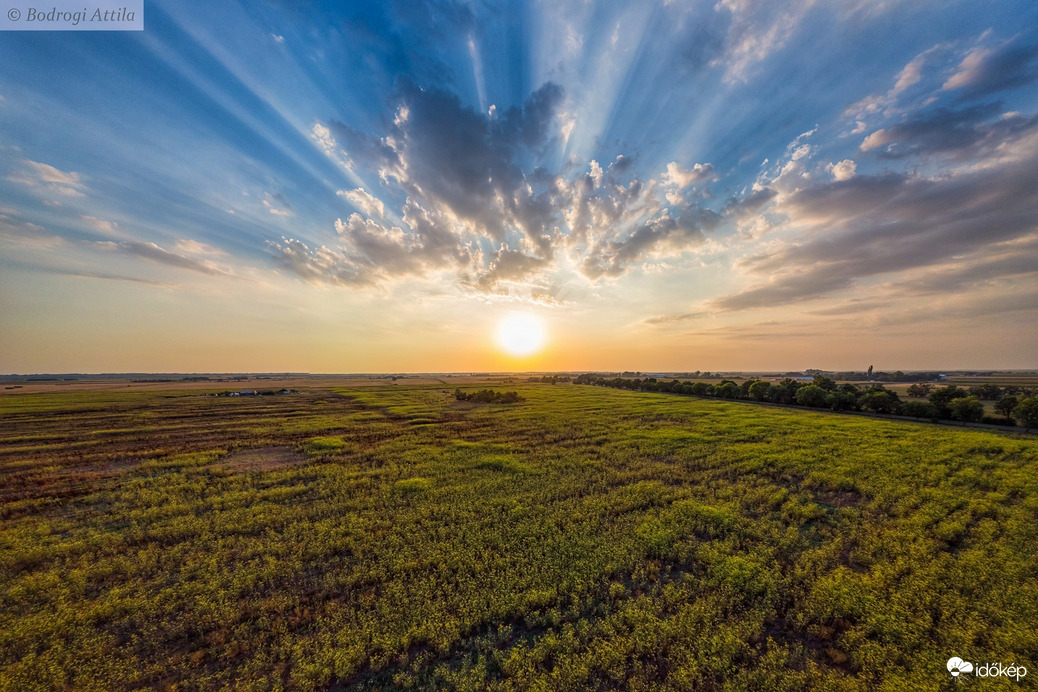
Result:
{"points": [[380, 534]]}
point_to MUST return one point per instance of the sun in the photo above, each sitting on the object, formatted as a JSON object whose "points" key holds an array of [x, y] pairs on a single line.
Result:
{"points": [[520, 334]]}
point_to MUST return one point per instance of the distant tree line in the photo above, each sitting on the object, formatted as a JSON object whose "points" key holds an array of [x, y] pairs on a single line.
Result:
{"points": [[488, 396], [942, 403], [549, 379]]}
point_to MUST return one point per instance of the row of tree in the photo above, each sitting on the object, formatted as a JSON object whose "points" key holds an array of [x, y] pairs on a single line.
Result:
{"points": [[947, 403], [986, 391]]}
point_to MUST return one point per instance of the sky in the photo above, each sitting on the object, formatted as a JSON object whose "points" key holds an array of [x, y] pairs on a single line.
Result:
{"points": [[374, 186]]}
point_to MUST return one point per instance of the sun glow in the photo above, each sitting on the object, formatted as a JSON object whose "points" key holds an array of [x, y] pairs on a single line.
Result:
{"points": [[520, 334]]}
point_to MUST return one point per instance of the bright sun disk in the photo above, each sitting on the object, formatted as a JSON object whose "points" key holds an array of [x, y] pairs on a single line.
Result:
{"points": [[520, 334]]}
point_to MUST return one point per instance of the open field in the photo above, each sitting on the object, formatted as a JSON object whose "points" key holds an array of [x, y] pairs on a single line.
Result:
{"points": [[388, 535]]}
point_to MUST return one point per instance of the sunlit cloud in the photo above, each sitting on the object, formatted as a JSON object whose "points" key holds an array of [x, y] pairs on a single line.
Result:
{"points": [[47, 179], [733, 169]]}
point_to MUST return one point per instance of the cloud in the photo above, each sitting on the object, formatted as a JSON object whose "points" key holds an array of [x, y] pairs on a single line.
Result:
{"points": [[103, 226], [23, 232], [509, 265], [850, 307], [363, 201], [322, 137], [670, 319], [844, 170], [986, 71], [869, 226], [467, 161], [107, 277], [44, 177], [370, 252], [1015, 259], [193, 247], [683, 177], [277, 204], [757, 29], [702, 35], [661, 235], [340, 139], [318, 266], [967, 132], [154, 253], [472, 178]]}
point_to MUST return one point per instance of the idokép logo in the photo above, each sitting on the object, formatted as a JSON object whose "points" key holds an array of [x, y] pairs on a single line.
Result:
{"points": [[956, 666]]}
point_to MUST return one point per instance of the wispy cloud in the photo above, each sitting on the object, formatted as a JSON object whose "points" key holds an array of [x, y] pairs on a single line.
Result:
{"points": [[46, 178], [154, 253], [671, 319], [277, 205]]}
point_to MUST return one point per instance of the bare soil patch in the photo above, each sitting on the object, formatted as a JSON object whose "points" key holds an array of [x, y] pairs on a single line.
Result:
{"points": [[263, 459]]}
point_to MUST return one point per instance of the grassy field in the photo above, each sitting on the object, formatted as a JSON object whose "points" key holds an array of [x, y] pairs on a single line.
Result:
{"points": [[586, 538]]}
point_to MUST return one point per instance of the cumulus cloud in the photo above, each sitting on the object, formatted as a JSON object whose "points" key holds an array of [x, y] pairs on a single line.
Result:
{"points": [[364, 201], [509, 265], [663, 234], [844, 170], [488, 202], [683, 177], [369, 252], [319, 265], [467, 186]]}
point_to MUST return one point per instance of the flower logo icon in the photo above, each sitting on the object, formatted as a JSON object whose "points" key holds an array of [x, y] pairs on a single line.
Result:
{"points": [[956, 665]]}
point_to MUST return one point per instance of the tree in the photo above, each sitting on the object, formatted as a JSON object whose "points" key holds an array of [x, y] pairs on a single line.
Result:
{"points": [[870, 372], [989, 392], [919, 409], [942, 396], [879, 400], [842, 401], [727, 390], [1026, 412], [703, 389], [967, 409], [812, 395], [1005, 406], [920, 389], [824, 383], [781, 394], [760, 391]]}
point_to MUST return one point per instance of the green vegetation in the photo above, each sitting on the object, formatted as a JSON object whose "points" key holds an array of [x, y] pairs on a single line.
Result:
{"points": [[948, 403], [582, 538], [488, 396]]}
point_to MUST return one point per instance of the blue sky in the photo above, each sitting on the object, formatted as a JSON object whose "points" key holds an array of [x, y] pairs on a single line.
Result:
{"points": [[702, 185]]}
